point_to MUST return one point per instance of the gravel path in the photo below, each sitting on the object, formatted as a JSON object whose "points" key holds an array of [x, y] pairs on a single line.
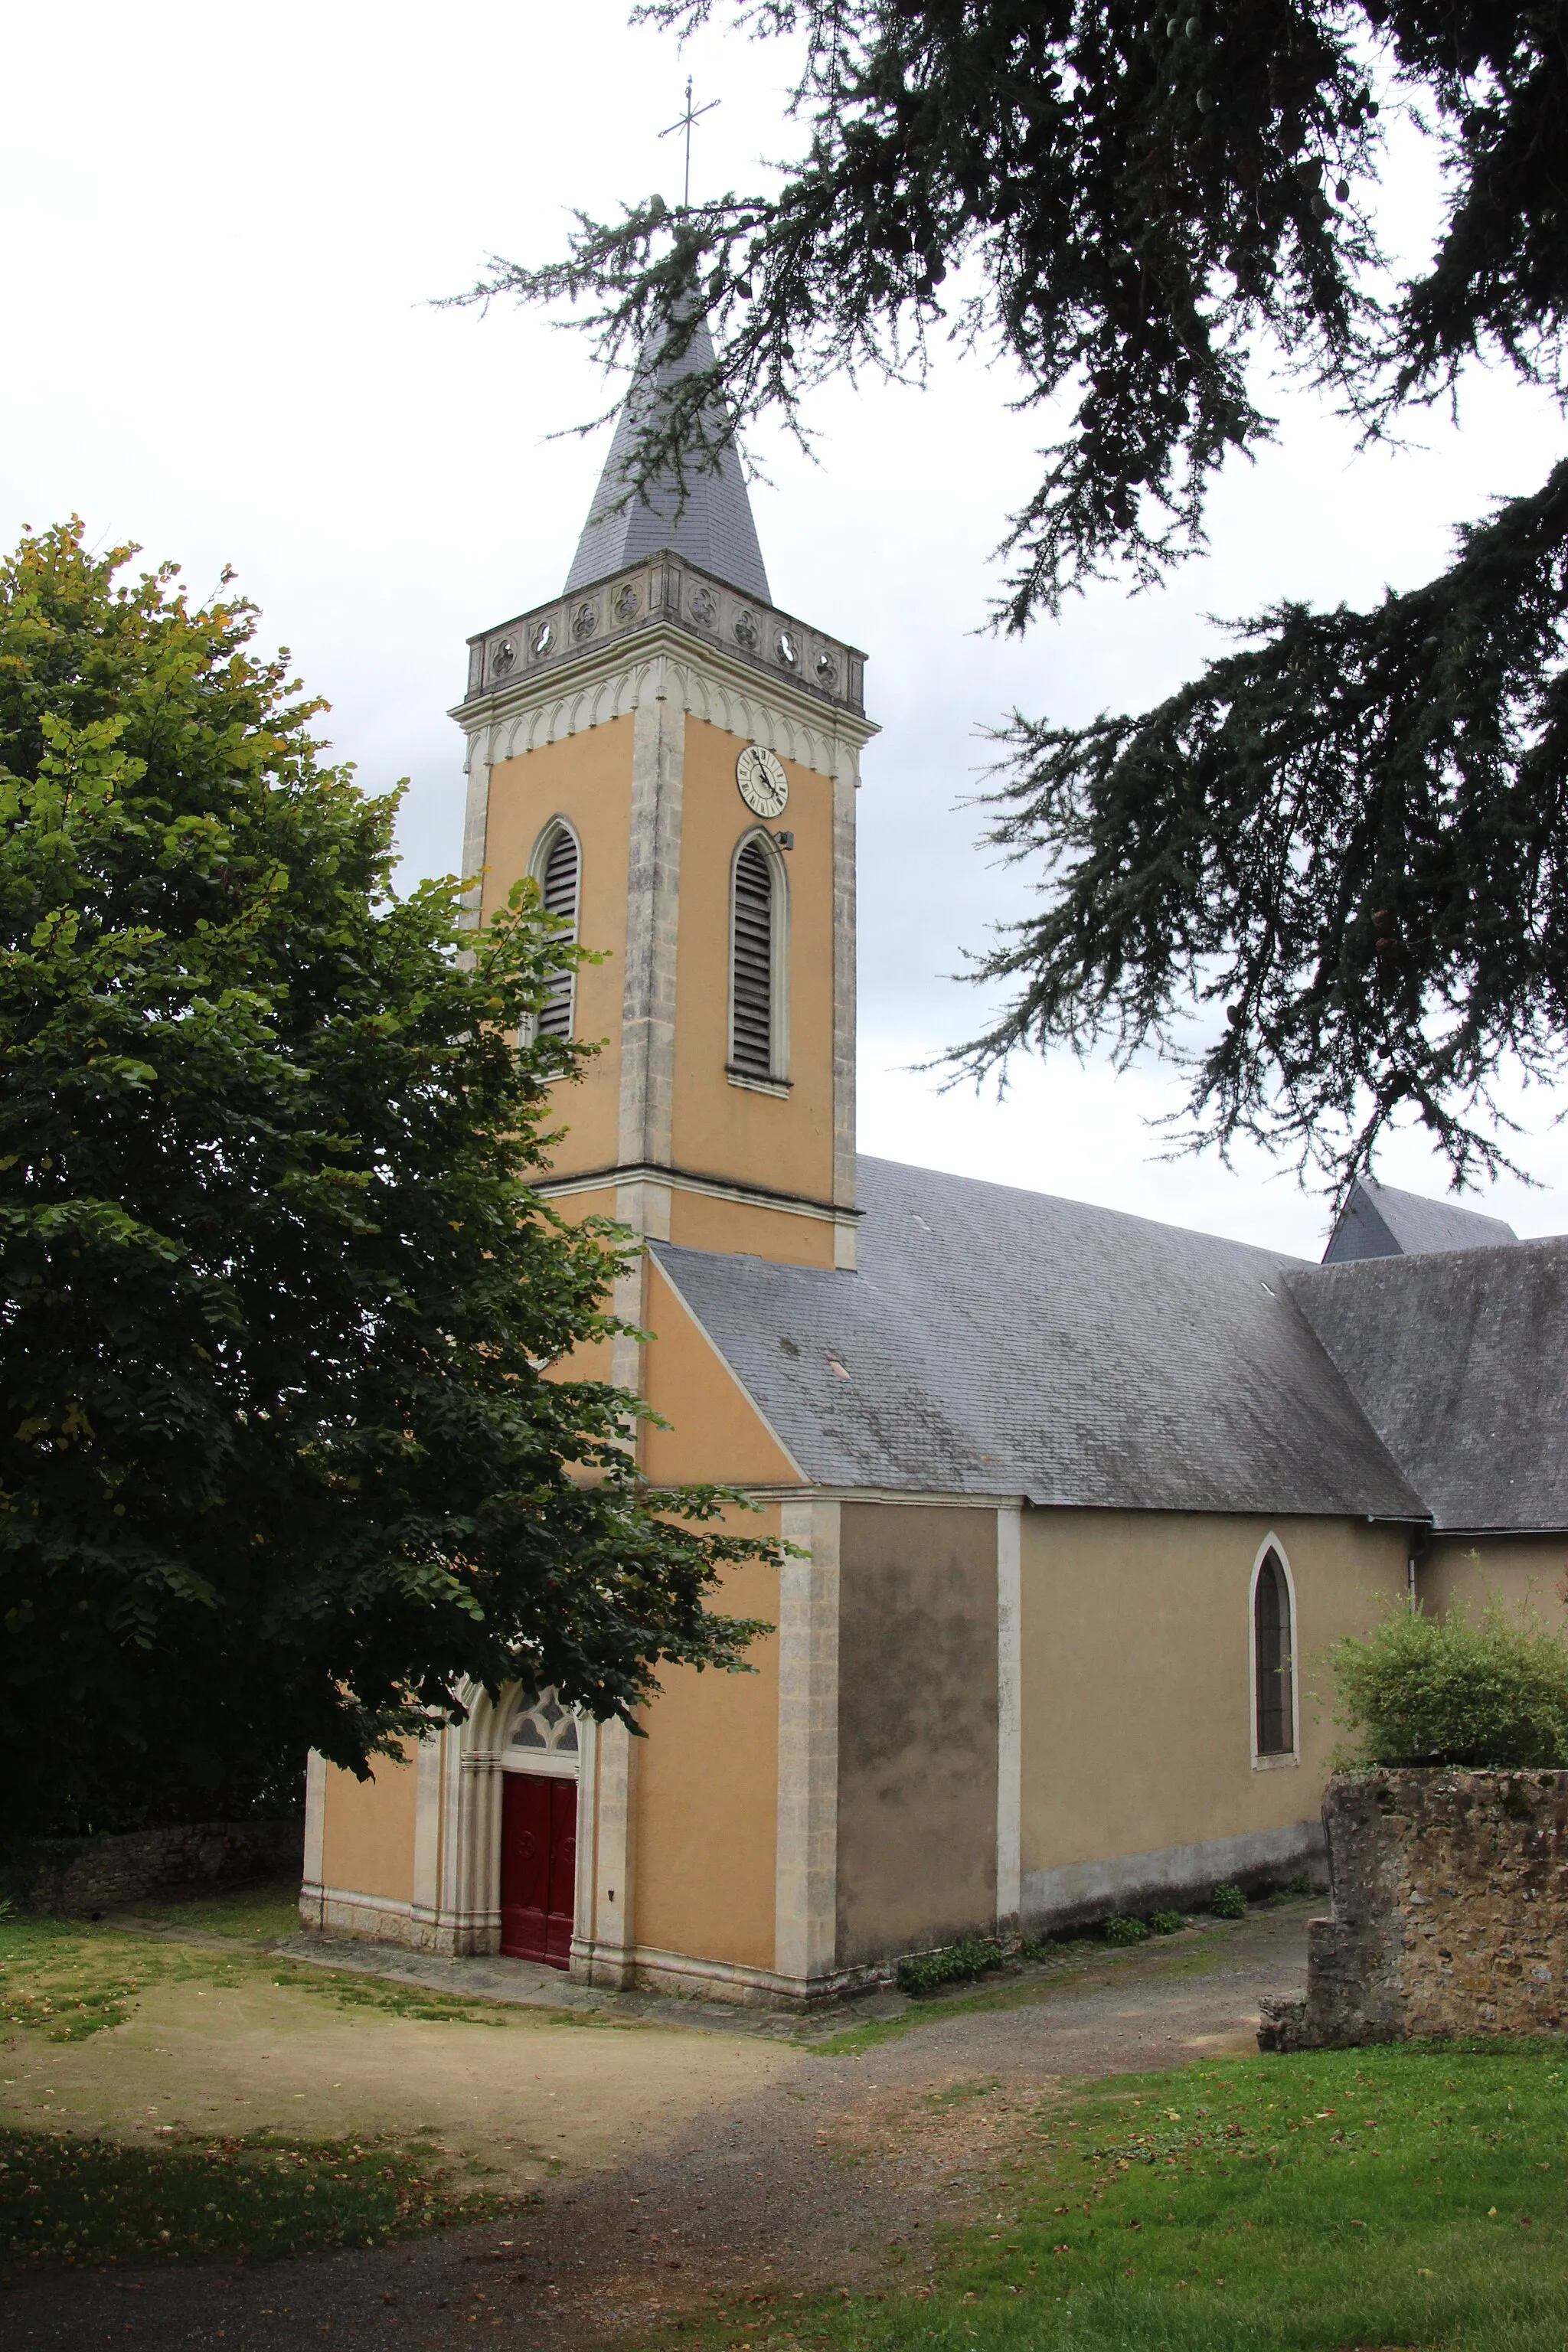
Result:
{"points": [[840, 2172]]}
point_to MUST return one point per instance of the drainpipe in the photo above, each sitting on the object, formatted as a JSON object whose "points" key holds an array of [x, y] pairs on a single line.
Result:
{"points": [[1417, 1553]]}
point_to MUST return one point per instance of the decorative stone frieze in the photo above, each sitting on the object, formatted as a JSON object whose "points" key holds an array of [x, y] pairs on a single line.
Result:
{"points": [[1450, 1893], [666, 591]]}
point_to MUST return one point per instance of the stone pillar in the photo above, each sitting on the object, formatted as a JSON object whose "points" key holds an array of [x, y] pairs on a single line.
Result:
{"points": [[1009, 1717], [807, 1884], [429, 1771], [476, 829], [604, 1950], [312, 1887], [843, 985], [653, 905]]}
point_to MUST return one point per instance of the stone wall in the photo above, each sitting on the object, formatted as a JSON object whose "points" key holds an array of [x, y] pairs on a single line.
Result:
{"points": [[1450, 1893], [80, 1876]]}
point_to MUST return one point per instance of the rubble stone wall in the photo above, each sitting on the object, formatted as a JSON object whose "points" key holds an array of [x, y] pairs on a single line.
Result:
{"points": [[77, 1876], [1450, 1895]]}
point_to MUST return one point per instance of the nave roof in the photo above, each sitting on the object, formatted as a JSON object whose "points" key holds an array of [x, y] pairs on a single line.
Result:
{"points": [[996, 1341], [1000, 1342]]}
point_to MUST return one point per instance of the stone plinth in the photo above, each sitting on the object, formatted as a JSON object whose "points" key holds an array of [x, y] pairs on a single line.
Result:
{"points": [[1450, 1893]]}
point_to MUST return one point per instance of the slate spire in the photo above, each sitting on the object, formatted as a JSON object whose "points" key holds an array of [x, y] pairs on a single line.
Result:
{"points": [[713, 529]]}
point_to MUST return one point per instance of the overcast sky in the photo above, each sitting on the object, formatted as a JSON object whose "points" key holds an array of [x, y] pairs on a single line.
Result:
{"points": [[223, 228]]}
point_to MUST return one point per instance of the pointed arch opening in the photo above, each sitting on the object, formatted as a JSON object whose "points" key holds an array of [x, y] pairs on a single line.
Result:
{"points": [[759, 937], [545, 1737], [557, 867], [1274, 1697]]}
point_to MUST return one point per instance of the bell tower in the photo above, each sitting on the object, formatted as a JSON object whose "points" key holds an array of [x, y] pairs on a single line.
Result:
{"points": [[676, 759]]}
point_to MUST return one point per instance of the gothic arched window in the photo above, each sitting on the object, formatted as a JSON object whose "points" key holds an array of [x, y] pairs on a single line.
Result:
{"points": [[558, 870], [545, 1728], [757, 1033], [1272, 1643]]}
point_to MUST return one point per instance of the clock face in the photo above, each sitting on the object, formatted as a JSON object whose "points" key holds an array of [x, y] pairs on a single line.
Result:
{"points": [[763, 785]]}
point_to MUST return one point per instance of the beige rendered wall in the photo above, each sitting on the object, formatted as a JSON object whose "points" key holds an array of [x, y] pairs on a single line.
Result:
{"points": [[1135, 1698], [720, 1129], [917, 1727], [587, 778], [368, 1844], [705, 1791], [1519, 1571]]}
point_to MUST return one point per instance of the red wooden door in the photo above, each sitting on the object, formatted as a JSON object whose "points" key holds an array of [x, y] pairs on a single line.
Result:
{"points": [[538, 1867]]}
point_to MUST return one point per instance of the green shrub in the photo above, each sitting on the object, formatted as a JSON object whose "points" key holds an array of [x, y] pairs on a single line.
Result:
{"points": [[1167, 1922], [1124, 1931], [1228, 1903], [955, 1964], [1300, 1884], [1491, 1690]]}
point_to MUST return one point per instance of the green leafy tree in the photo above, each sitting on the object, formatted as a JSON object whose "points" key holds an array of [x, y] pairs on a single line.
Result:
{"points": [[1490, 1690], [1345, 845], [290, 1444]]}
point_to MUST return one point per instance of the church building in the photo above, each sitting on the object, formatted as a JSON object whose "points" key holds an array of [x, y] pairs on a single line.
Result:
{"points": [[1076, 1499]]}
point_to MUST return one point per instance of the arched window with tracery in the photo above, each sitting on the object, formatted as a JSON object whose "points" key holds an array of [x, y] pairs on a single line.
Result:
{"points": [[758, 1049], [1273, 1641], [544, 1734], [558, 870]]}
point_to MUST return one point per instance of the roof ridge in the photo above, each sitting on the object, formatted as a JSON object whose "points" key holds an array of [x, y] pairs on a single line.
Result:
{"points": [[1093, 1208]]}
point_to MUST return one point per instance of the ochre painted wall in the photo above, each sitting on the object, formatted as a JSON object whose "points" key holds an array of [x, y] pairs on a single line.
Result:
{"points": [[720, 1129], [368, 1845], [714, 1430], [587, 778], [705, 1791], [1519, 1571], [1136, 1707], [697, 1221], [917, 1727]]}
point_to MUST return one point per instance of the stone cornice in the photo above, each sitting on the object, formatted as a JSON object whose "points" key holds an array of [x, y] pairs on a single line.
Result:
{"points": [[688, 1180], [663, 659], [663, 665], [665, 586]]}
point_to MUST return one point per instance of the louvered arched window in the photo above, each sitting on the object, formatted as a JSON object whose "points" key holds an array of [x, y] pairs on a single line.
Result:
{"points": [[1273, 1667], [558, 870], [756, 964]]}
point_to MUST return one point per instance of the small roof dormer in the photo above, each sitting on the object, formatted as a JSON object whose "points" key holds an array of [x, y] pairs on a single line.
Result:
{"points": [[1378, 1221]]}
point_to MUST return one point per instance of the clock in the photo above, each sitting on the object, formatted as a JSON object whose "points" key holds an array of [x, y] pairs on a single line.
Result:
{"points": [[763, 785]]}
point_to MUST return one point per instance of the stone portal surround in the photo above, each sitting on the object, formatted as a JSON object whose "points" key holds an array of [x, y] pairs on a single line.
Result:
{"points": [[1450, 1892]]}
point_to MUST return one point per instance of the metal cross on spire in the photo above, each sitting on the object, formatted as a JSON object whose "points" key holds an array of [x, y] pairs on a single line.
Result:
{"points": [[684, 122]]}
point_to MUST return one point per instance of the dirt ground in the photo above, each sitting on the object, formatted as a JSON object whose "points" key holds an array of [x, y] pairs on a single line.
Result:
{"points": [[518, 2098], [706, 2169]]}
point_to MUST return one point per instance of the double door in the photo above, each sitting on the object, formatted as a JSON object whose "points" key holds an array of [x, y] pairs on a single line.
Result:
{"points": [[538, 1867]]}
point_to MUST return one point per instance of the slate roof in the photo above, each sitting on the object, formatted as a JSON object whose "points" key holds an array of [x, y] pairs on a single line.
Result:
{"points": [[1460, 1363], [713, 528], [1378, 1221], [998, 1341]]}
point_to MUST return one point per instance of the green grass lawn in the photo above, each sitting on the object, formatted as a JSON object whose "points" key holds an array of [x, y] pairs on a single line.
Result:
{"points": [[65, 1979], [1411, 2196], [75, 2203], [251, 1914], [69, 2199]]}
